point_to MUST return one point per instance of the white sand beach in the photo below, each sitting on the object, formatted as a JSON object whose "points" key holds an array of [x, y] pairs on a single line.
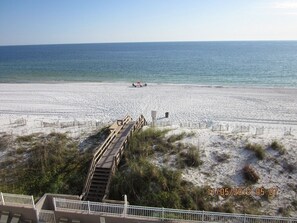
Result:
{"points": [[255, 115], [110, 101]]}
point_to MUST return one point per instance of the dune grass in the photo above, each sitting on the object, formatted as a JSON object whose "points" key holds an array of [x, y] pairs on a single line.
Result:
{"points": [[250, 174], [44, 164], [189, 158], [275, 145], [257, 149], [147, 184], [5, 141]]}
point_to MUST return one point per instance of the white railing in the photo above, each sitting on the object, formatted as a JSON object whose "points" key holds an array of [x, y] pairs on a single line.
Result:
{"points": [[13, 199], [131, 211], [46, 216]]}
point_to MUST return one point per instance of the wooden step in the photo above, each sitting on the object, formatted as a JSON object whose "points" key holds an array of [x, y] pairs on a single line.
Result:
{"points": [[98, 180], [99, 174]]}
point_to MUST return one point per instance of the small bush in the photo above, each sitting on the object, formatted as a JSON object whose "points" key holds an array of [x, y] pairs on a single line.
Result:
{"points": [[279, 147], [26, 138], [174, 138], [258, 149], [5, 140], [191, 157], [250, 174]]}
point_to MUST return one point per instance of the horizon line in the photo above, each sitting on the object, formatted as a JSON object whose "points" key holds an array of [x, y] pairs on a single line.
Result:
{"points": [[173, 41]]}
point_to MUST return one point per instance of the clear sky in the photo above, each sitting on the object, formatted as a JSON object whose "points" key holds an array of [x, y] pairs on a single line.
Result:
{"points": [[96, 21]]}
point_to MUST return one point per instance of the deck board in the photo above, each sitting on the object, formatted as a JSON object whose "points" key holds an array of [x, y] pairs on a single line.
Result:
{"points": [[106, 160]]}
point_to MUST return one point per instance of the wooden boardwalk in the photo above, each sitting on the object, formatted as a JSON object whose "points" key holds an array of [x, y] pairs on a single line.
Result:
{"points": [[107, 157], [115, 147]]}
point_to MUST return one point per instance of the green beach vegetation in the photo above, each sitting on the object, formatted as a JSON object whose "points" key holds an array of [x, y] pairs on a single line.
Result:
{"points": [[162, 185], [257, 149], [148, 184], [150, 172], [275, 145], [38, 164]]}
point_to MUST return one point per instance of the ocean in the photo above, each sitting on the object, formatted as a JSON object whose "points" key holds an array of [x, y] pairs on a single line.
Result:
{"points": [[260, 64]]}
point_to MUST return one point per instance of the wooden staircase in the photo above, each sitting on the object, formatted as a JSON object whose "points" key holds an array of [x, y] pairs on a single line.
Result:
{"points": [[107, 157], [98, 184]]}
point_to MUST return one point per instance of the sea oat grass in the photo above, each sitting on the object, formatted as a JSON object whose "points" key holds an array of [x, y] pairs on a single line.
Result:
{"points": [[275, 145], [257, 149]]}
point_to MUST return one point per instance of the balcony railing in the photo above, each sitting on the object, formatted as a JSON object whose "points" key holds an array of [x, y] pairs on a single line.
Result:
{"points": [[142, 212], [18, 200]]}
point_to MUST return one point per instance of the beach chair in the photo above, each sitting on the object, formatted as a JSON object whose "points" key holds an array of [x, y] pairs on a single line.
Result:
{"points": [[15, 218], [4, 217]]}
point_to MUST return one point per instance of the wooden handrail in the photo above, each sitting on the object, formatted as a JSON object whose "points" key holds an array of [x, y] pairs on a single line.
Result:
{"points": [[140, 122], [99, 152]]}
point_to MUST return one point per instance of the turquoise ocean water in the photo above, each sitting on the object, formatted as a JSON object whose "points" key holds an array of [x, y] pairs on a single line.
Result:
{"points": [[264, 63]]}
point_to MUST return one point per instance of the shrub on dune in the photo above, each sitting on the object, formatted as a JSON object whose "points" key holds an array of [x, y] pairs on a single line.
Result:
{"points": [[258, 149]]}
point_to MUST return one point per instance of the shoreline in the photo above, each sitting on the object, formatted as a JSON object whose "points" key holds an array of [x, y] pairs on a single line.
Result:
{"points": [[151, 84]]}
